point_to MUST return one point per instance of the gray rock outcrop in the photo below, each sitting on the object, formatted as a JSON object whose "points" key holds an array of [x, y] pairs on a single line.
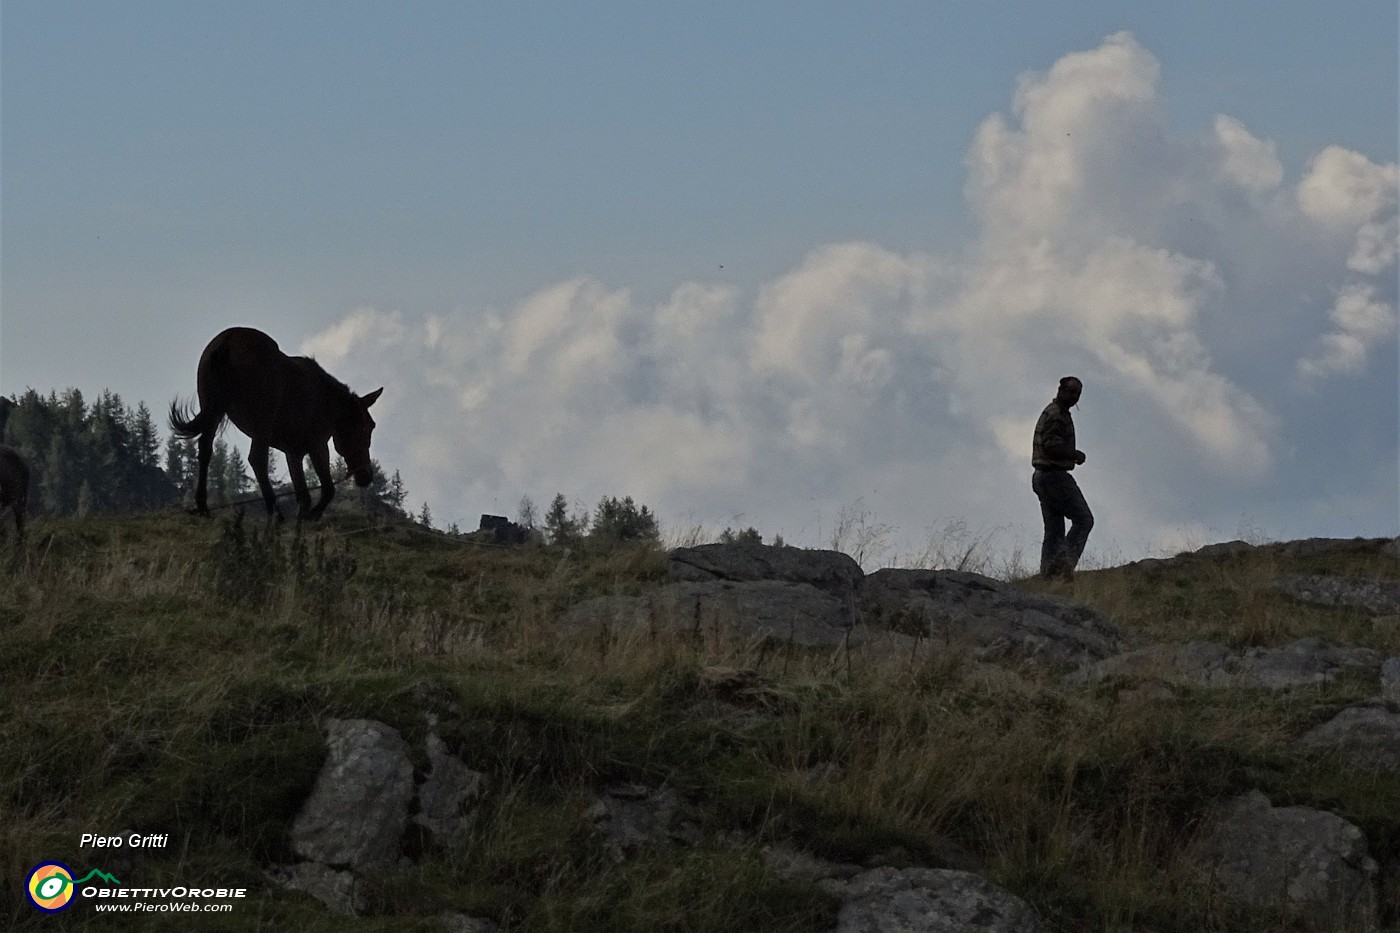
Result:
{"points": [[829, 571], [632, 817], [356, 813], [338, 890], [355, 817], [821, 599], [1375, 596], [997, 620], [928, 900], [1304, 662], [1309, 862], [777, 610], [1390, 678], [449, 785], [1367, 736]]}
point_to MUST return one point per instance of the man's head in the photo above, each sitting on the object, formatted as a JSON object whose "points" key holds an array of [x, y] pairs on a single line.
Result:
{"points": [[1070, 388]]}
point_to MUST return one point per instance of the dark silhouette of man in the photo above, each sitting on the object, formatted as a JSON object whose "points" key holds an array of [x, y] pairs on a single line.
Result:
{"points": [[1054, 455]]}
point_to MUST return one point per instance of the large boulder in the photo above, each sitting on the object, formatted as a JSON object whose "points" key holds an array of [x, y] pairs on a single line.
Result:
{"points": [[448, 786], [929, 900], [997, 620], [1308, 862], [633, 818], [356, 813], [772, 610], [1366, 736], [1375, 596], [338, 890], [1390, 678], [829, 571], [1307, 661]]}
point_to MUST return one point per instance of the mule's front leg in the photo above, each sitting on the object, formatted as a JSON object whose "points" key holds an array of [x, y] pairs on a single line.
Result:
{"points": [[298, 476], [321, 463], [257, 459]]}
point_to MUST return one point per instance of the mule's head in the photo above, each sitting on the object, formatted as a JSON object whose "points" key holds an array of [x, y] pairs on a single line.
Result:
{"points": [[353, 428]]}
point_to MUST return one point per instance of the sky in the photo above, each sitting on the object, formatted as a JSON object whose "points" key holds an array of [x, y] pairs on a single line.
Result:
{"points": [[794, 266]]}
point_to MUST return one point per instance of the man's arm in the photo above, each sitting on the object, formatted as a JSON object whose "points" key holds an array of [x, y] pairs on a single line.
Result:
{"points": [[1065, 452]]}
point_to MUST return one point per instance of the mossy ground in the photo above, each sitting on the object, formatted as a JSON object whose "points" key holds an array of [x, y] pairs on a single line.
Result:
{"points": [[166, 675]]}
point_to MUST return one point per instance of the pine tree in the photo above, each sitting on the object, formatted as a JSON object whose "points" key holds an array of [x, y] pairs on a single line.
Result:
{"points": [[145, 440], [425, 516], [561, 528], [236, 480], [218, 474], [621, 522], [526, 516], [395, 495]]}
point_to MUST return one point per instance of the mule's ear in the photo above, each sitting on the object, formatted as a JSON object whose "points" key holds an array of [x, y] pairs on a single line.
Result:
{"points": [[373, 397]]}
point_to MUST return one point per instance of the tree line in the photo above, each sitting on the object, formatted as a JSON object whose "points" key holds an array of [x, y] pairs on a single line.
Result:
{"points": [[106, 457]]}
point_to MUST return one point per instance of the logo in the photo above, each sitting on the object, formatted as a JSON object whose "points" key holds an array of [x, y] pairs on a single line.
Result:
{"points": [[51, 885]]}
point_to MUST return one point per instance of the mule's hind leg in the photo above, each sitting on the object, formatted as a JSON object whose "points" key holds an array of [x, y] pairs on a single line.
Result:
{"points": [[201, 489], [321, 463], [257, 459]]}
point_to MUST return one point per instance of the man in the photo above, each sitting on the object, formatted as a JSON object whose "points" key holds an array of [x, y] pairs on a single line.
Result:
{"points": [[1054, 455]]}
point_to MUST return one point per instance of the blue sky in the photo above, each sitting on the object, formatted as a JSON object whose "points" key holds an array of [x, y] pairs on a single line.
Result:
{"points": [[405, 188]]}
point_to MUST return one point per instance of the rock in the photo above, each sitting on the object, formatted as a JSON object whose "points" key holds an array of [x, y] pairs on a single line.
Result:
{"points": [[357, 810], [1375, 596], [929, 900], [633, 817], [1306, 861], [1390, 679], [797, 865], [456, 922], [1211, 664], [829, 571], [1223, 549], [1367, 736], [796, 613], [1314, 547], [998, 620], [449, 785], [338, 890], [1305, 661]]}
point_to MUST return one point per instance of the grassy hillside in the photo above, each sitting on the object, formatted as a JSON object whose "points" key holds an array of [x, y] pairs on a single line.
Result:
{"points": [[166, 675]]}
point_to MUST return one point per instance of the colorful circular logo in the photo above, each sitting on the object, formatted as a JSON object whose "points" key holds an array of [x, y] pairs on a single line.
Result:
{"points": [[50, 887]]}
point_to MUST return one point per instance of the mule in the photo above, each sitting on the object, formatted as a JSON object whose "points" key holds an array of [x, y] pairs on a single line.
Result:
{"points": [[284, 402], [14, 486]]}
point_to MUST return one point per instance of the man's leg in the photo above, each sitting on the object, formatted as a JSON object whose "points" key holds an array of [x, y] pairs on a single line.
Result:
{"points": [[1053, 544], [1082, 521]]}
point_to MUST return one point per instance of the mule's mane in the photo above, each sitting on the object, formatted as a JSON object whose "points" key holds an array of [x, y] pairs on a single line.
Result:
{"points": [[338, 387]]}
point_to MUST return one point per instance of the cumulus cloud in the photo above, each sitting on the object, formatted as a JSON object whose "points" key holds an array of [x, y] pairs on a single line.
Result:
{"points": [[1107, 245], [1362, 321]]}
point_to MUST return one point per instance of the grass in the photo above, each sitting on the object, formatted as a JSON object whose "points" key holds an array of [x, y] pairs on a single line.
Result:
{"points": [[165, 675]]}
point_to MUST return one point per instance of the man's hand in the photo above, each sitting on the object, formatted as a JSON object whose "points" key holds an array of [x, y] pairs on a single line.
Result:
{"points": [[1079, 456]]}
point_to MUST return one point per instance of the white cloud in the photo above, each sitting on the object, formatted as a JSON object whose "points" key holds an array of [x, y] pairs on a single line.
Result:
{"points": [[360, 329], [1107, 246], [1346, 188], [1249, 162], [1362, 321]]}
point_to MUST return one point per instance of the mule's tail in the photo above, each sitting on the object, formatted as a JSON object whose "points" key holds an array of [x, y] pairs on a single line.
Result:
{"points": [[188, 427]]}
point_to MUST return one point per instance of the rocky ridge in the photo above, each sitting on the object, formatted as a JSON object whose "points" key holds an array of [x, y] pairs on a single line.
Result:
{"points": [[1311, 862]]}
